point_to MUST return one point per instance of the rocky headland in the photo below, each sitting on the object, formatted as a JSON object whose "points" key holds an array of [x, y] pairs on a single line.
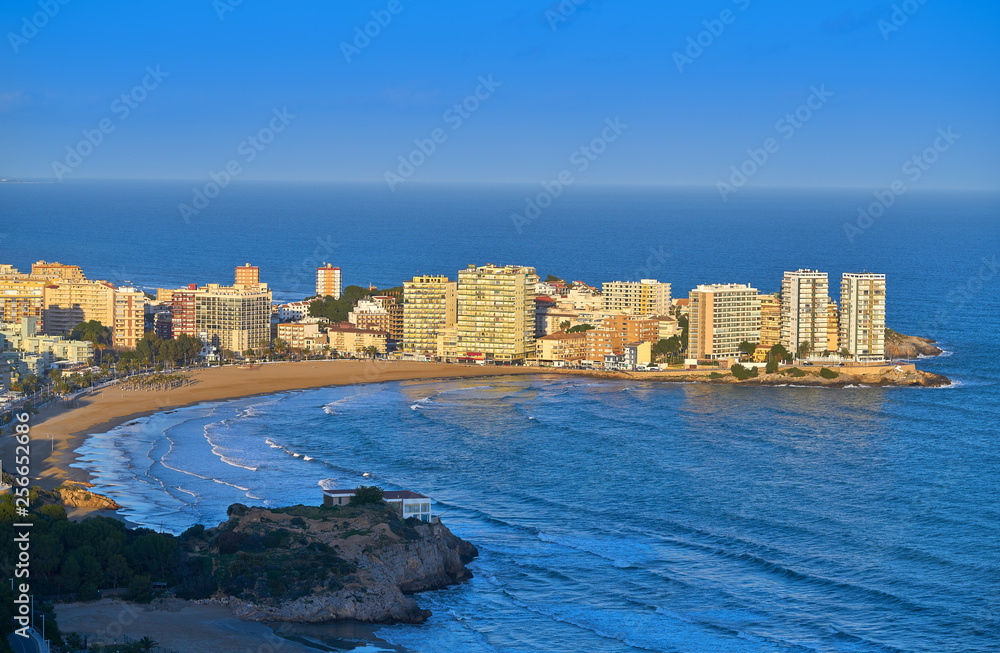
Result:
{"points": [[898, 346], [313, 565]]}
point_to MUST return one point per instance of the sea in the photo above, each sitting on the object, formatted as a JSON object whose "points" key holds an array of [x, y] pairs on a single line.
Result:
{"points": [[610, 515]]}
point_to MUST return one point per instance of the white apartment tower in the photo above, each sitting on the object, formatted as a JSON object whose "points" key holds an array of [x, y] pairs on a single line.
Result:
{"points": [[862, 316], [805, 297]]}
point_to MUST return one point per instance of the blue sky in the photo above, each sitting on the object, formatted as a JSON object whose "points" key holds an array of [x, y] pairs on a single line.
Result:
{"points": [[558, 73]]}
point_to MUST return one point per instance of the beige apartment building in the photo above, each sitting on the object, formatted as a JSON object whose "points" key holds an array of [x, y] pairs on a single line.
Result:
{"points": [[561, 348], [770, 320], [68, 303], [57, 271], [496, 312], [721, 316], [352, 341], [832, 327], [302, 335], [805, 297], [862, 316], [430, 304], [20, 297], [447, 344], [233, 318], [645, 297], [329, 282], [130, 317]]}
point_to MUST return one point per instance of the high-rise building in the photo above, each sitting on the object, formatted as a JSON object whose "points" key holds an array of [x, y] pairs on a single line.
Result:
{"points": [[721, 316], [862, 316], [130, 317], [233, 318], [770, 320], [805, 297], [58, 271], [68, 303], [645, 297], [21, 297], [247, 275], [328, 282], [429, 305], [496, 312]]}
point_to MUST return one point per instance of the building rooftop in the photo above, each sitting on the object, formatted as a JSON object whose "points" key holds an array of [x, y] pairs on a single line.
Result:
{"points": [[560, 335], [388, 494]]}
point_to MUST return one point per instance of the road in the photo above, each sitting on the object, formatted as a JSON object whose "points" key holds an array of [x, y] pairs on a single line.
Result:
{"points": [[24, 644]]}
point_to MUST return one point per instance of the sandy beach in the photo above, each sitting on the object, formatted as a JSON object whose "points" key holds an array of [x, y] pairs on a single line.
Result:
{"points": [[68, 424]]}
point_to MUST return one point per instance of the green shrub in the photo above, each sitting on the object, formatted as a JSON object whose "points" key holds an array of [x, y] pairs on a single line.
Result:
{"points": [[772, 365], [53, 511], [827, 373], [742, 373], [367, 494], [715, 375], [140, 590], [796, 372]]}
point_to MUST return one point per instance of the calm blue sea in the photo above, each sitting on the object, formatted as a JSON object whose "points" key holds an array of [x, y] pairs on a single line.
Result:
{"points": [[610, 516]]}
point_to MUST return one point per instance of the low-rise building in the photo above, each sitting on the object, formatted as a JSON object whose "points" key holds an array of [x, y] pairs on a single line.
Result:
{"points": [[561, 349], [369, 314], [637, 353], [409, 504], [447, 344], [293, 311], [302, 335], [349, 340], [615, 332]]}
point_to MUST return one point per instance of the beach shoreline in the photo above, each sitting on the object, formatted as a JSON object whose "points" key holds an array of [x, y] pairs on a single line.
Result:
{"points": [[68, 423]]}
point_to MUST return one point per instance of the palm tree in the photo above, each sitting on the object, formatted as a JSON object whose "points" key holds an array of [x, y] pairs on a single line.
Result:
{"points": [[147, 643]]}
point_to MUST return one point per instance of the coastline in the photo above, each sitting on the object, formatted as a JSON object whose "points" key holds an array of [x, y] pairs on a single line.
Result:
{"points": [[68, 424]]}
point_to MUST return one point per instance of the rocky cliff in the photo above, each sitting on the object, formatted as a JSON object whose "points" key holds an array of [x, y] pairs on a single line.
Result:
{"points": [[306, 564], [898, 346]]}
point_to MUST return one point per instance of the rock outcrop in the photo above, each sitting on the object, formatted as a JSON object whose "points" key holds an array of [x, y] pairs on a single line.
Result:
{"points": [[330, 564], [898, 346], [73, 496]]}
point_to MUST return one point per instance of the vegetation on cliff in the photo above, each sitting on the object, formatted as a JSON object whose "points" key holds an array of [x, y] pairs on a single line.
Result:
{"points": [[299, 563]]}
